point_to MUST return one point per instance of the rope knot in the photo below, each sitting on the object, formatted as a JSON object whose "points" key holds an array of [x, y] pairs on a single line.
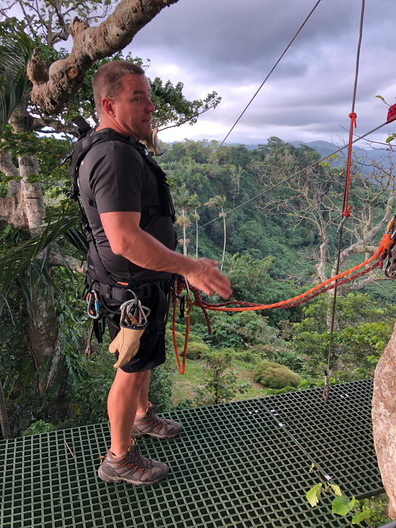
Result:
{"points": [[386, 241], [347, 212], [353, 117]]}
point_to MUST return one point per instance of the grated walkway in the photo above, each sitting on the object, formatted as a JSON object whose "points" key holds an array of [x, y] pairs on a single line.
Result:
{"points": [[236, 465]]}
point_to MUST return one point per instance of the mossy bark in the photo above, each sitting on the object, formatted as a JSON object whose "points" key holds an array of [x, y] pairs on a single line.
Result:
{"points": [[384, 420]]}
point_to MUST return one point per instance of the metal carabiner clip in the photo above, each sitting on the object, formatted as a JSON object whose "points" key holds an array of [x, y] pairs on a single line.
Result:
{"points": [[188, 304], [133, 314], [93, 305]]}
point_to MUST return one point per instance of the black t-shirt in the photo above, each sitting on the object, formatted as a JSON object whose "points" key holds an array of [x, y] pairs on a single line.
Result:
{"points": [[115, 177]]}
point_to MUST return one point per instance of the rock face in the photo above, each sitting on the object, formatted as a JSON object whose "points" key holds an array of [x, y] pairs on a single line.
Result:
{"points": [[384, 420]]}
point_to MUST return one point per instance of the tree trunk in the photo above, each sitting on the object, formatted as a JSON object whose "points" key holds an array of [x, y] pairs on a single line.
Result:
{"points": [[184, 236], [5, 427], [196, 237], [384, 420], [25, 209], [43, 332]]}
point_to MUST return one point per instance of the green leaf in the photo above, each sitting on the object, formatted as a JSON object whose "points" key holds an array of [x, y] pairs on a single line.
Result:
{"points": [[15, 53], [352, 503], [340, 505], [312, 466], [18, 258], [336, 490], [361, 516], [313, 495]]}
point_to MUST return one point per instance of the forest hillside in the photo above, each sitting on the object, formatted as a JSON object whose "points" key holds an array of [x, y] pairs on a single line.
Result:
{"points": [[269, 216]]}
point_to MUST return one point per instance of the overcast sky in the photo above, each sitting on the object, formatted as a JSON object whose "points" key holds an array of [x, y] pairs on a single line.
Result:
{"points": [[231, 45]]}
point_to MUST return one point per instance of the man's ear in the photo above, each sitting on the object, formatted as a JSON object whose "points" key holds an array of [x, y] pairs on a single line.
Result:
{"points": [[108, 106]]}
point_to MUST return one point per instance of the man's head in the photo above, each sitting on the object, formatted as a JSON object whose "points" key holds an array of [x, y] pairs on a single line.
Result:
{"points": [[122, 98]]}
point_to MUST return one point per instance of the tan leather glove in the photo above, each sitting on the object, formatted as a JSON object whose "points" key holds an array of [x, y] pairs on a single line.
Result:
{"points": [[126, 343]]}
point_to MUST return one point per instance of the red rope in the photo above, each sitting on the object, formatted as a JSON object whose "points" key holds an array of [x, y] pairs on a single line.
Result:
{"points": [[329, 284], [333, 282], [347, 210], [181, 367]]}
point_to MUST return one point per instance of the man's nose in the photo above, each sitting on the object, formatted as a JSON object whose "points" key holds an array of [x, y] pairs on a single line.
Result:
{"points": [[151, 107]]}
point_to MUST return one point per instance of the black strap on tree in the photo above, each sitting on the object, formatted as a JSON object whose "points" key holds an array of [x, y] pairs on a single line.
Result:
{"points": [[326, 389]]}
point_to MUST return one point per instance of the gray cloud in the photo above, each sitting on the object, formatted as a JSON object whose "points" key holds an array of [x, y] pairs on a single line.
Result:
{"points": [[230, 46]]}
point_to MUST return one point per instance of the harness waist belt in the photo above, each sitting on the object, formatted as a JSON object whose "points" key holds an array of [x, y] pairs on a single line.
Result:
{"points": [[142, 291]]}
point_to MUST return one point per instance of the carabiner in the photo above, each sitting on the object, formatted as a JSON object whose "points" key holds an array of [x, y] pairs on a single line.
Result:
{"points": [[93, 305]]}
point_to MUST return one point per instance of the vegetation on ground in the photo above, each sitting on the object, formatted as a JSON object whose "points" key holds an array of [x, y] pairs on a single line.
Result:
{"points": [[274, 375]]}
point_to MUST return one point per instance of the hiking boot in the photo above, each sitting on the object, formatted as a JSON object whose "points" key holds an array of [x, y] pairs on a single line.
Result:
{"points": [[153, 425], [131, 467]]}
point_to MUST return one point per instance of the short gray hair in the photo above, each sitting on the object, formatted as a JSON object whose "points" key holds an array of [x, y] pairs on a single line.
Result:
{"points": [[107, 81]]}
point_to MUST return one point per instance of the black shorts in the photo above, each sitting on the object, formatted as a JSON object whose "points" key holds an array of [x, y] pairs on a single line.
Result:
{"points": [[151, 352]]}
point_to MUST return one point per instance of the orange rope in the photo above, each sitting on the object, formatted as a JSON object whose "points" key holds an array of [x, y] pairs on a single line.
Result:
{"points": [[385, 244], [333, 282], [181, 367], [347, 210]]}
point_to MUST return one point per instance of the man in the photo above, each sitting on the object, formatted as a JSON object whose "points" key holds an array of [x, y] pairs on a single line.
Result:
{"points": [[117, 187]]}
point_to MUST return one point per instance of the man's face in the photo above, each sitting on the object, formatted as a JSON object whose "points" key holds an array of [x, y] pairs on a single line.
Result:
{"points": [[133, 106]]}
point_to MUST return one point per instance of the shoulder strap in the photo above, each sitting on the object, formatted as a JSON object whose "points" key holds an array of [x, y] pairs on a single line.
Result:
{"points": [[84, 145]]}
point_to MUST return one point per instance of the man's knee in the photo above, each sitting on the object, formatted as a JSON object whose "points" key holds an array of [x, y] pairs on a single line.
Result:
{"points": [[132, 379]]}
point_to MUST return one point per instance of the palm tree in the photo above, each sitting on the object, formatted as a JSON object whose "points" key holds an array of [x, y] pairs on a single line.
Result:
{"points": [[217, 202], [196, 217], [15, 55], [184, 201]]}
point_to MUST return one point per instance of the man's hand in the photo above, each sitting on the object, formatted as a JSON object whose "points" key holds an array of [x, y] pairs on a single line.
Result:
{"points": [[208, 279]]}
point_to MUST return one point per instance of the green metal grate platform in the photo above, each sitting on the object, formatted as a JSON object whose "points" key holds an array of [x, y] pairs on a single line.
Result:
{"points": [[236, 465]]}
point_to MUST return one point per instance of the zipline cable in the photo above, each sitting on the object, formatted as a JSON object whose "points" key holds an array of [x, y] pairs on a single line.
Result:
{"points": [[268, 76], [262, 84], [345, 209]]}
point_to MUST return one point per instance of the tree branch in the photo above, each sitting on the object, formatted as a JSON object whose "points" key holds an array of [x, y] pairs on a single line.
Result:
{"points": [[74, 264], [57, 126], [376, 276], [90, 44], [8, 168]]}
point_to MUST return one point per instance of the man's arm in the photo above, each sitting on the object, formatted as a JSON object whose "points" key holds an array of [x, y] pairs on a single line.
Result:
{"points": [[128, 240]]}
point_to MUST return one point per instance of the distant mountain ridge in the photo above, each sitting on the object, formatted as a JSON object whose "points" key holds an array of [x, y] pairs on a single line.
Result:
{"points": [[325, 148]]}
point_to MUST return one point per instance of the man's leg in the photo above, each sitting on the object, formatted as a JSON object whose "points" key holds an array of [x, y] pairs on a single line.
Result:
{"points": [[142, 402], [128, 394]]}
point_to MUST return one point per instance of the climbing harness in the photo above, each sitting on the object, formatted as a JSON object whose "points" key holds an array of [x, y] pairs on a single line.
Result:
{"points": [[102, 292]]}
